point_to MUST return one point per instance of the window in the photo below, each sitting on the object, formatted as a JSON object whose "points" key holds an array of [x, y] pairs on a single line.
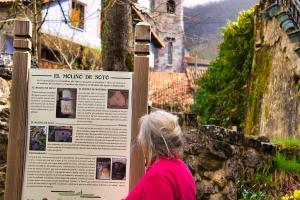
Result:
{"points": [[171, 6], [9, 47], [170, 52], [77, 14], [50, 55]]}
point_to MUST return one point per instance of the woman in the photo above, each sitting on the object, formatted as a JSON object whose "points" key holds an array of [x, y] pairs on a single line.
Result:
{"points": [[167, 177]]}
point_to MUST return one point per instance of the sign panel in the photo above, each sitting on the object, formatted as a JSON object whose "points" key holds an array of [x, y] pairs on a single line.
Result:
{"points": [[78, 139]]}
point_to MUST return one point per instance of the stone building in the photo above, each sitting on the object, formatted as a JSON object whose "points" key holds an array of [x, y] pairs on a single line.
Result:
{"points": [[168, 19]]}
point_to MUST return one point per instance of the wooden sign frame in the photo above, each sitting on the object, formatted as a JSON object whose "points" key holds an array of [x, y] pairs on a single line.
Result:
{"points": [[18, 111]]}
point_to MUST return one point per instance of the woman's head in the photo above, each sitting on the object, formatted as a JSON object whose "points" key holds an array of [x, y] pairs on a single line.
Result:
{"points": [[160, 135]]}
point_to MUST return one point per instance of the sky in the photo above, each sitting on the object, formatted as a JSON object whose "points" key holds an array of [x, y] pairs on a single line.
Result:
{"points": [[186, 3], [190, 3]]}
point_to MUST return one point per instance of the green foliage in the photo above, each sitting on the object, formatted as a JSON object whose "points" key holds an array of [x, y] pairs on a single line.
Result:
{"points": [[88, 59], [291, 166], [249, 193], [129, 62], [259, 195], [263, 178], [221, 98], [287, 142]]}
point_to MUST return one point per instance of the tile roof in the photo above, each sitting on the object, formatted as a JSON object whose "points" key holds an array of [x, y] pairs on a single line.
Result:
{"points": [[193, 74], [9, 1], [173, 90], [193, 61]]}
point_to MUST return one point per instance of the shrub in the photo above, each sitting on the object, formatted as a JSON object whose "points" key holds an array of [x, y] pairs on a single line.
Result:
{"points": [[221, 97]]}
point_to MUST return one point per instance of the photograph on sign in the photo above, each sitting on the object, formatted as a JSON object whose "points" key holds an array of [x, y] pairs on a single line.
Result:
{"points": [[78, 136], [119, 168], [117, 99], [60, 134], [66, 103], [37, 138], [103, 169]]}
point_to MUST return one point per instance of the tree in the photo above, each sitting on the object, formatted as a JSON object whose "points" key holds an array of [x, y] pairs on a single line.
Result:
{"points": [[222, 96], [117, 35]]}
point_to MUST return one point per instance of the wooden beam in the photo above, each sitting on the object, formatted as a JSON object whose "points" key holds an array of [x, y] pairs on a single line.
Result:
{"points": [[140, 32], [23, 28], [142, 49], [18, 111], [139, 99], [22, 44]]}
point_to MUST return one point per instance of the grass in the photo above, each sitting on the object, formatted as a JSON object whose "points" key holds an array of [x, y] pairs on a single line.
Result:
{"points": [[287, 142], [289, 166]]}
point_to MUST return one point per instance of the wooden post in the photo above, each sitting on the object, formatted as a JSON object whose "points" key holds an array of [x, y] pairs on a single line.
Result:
{"points": [[18, 110], [140, 98]]}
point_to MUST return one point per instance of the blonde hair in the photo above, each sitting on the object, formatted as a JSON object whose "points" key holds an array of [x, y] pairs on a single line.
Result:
{"points": [[160, 135]]}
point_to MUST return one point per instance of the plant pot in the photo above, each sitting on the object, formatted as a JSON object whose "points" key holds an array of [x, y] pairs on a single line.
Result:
{"points": [[288, 25], [272, 9], [282, 16], [265, 15], [294, 36], [297, 50]]}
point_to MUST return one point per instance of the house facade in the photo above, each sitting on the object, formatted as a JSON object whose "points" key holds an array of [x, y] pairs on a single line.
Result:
{"points": [[69, 27], [79, 21], [73, 20]]}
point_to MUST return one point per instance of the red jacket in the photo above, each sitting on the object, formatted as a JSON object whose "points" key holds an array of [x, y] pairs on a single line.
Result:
{"points": [[166, 179]]}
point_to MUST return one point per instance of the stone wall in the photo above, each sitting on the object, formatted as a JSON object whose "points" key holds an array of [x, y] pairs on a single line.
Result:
{"points": [[217, 157], [5, 83], [275, 80]]}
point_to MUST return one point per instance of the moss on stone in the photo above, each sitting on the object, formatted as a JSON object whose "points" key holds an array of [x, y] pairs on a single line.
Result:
{"points": [[129, 62], [267, 112], [258, 86]]}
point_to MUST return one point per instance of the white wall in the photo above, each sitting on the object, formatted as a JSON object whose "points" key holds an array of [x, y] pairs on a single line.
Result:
{"points": [[152, 55], [144, 4], [54, 23]]}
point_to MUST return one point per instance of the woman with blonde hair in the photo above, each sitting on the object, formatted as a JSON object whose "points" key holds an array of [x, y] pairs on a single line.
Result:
{"points": [[166, 177]]}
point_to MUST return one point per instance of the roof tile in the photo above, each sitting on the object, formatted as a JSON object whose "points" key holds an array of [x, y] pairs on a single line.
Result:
{"points": [[172, 89]]}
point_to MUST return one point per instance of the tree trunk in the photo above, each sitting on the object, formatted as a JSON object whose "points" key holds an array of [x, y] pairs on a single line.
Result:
{"points": [[117, 35]]}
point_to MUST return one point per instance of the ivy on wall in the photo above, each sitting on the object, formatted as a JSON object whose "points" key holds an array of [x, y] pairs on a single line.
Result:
{"points": [[222, 95]]}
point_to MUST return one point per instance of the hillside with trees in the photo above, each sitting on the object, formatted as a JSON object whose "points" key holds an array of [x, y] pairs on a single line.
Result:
{"points": [[203, 24]]}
